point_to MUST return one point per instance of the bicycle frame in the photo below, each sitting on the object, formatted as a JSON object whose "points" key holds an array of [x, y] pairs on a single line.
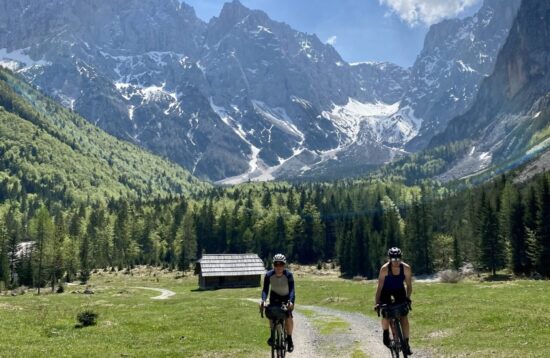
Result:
{"points": [[278, 334], [397, 341]]}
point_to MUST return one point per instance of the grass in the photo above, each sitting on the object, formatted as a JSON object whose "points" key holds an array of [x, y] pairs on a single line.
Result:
{"points": [[192, 323], [326, 325], [480, 319], [358, 354]]}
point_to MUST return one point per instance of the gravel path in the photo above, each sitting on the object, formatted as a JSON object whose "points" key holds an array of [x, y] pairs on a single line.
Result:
{"points": [[164, 293], [362, 333]]}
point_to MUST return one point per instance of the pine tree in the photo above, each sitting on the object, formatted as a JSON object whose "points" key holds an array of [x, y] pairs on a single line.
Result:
{"points": [[532, 250], [391, 225], [222, 231], [309, 247], [266, 198], [59, 238], [280, 244], [14, 232], [42, 230], [4, 260], [492, 248], [122, 235], [543, 223], [518, 237]]}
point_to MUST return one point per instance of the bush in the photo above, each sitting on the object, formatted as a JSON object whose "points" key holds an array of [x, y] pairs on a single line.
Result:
{"points": [[450, 276], [87, 318], [60, 288]]}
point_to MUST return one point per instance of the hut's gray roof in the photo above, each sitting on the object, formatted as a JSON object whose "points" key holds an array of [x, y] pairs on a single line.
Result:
{"points": [[231, 265]]}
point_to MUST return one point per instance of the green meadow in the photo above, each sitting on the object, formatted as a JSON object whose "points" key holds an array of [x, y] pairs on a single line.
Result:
{"points": [[478, 319]]}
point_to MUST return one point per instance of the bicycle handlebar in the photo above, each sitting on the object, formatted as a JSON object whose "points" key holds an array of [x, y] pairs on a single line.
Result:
{"points": [[284, 307], [380, 307]]}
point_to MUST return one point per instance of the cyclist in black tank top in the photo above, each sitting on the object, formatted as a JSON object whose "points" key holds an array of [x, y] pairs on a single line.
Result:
{"points": [[391, 289]]}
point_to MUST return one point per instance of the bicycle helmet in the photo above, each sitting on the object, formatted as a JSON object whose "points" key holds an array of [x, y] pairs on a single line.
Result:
{"points": [[394, 253], [279, 258]]}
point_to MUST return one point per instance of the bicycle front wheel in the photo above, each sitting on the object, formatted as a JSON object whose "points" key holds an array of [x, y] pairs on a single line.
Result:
{"points": [[281, 341], [394, 347], [402, 342]]}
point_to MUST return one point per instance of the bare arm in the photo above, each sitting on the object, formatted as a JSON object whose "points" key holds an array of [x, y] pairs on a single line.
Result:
{"points": [[408, 280], [381, 277]]}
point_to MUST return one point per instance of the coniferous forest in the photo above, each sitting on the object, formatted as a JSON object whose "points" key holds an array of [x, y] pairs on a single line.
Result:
{"points": [[496, 226]]}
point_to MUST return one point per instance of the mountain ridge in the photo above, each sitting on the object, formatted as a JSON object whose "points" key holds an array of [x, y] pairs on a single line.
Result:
{"points": [[240, 97]]}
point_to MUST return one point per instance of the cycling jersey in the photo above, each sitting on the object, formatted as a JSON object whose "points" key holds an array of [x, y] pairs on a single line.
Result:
{"points": [[282, 288]]}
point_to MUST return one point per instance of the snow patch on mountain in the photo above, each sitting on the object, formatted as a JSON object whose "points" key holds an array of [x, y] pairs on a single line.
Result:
{"points": [[256, 166], [385, 123], [348, 118], [19, 59], [278, 117], [472, 164]]}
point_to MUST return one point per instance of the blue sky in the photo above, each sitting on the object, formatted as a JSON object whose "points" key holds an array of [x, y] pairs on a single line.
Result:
{"points": [[361, 30]]}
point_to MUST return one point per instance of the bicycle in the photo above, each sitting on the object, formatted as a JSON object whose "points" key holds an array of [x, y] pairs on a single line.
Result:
{"points": [[393, 312], [277, 315]]}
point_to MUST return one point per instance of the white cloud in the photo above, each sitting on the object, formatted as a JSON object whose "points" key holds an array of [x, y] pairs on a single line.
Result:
{"points": [[427, 11], [332, 40]]}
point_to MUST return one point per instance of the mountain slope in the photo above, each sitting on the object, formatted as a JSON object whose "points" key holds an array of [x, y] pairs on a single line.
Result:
{"points": [[240, 96], [509, 121], [457, 55], [243, 96], [48, 150]]}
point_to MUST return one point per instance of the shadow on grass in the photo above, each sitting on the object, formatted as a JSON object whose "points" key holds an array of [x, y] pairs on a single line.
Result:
{"points": [[498, 278]]}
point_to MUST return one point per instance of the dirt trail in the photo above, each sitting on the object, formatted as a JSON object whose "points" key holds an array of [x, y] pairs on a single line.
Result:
{"points": [[361, 334], [164, 293], [364, 333]]}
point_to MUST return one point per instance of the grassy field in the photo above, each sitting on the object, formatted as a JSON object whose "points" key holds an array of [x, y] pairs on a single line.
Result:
{"points": [[479, 319], [131, 324]]}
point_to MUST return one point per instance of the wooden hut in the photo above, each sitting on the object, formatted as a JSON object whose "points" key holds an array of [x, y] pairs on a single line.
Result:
{"points": [[229, 270]]}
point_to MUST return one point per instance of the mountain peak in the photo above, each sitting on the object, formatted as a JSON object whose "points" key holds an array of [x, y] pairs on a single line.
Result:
{"points": [[234, 11]]}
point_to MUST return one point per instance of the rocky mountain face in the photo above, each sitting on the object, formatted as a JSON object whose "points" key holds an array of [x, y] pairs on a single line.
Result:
{"points": [[457, 55], [243, 97], [509, 121]]}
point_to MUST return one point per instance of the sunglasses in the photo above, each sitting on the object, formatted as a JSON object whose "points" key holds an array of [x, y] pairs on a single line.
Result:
{"points": [[278, 264], [395, 259]]}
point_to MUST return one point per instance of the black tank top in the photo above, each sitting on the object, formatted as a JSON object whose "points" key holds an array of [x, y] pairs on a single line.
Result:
{"points": [[394, 282]]}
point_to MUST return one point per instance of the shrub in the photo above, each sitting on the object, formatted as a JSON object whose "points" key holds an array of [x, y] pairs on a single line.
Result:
{"points": [[87, 318], [450, 276], [60, 288], [467, 269]]}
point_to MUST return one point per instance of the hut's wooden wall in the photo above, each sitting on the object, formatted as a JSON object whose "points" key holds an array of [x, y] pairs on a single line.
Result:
{"points": [[229, 281]]}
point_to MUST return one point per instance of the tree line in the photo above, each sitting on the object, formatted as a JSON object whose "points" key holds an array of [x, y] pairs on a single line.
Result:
{"points": [[352, 223]]}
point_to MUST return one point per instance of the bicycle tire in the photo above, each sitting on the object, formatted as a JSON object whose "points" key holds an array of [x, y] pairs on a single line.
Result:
{"points": [[402, 342], [274, 353], [273, 345], [280, 334], [394, 349]]}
